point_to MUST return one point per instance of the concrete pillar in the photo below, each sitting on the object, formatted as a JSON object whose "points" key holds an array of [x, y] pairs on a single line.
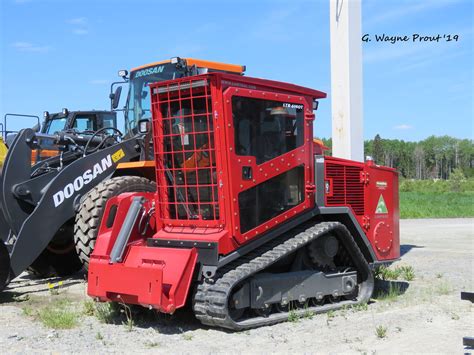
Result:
{"points": [[346, 79]]}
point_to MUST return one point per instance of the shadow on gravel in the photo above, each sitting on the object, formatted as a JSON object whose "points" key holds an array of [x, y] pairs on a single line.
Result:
{"points": [[387, 290], [405, 248], [20, 288], [181, 321]]}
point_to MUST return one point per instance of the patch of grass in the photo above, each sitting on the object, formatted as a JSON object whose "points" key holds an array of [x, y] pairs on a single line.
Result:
{"points": [[28, 311], [58, 316], [394, 290], [55, 288], [343, 310], [308, 314], [360, 307], [329, 317], [58, 313], [404, 272], [152, 344], [414, 204], [407, 272], [105, 312], [443, 288], [99, 336], [128, 323], [381, 331], [88, 308], [188, 336], [385, 273], [454, 316], [293, 316]]}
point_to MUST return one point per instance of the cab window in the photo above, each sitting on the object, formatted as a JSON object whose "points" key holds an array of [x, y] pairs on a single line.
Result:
{"points": [[266, 129], [56, 124], [109, 121], [84, 123]]}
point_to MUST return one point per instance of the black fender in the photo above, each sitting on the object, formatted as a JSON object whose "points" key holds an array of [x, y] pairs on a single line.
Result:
{"points": [[345, 216]]}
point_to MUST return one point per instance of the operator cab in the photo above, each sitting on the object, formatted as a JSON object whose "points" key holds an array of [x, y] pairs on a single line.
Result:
{"points": [[79, 121], [85, 123], [138, 106]]}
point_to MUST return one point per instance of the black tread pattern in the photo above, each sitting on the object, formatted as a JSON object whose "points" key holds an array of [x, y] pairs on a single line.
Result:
{"points": [[210, 303], [90, 213]]}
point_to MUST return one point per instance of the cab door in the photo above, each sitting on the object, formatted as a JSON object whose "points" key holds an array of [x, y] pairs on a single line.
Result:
{"points": [[270, 159]]}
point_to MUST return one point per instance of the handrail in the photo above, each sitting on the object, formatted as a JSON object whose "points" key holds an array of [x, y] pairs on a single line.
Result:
{"points": [[4, 126]]}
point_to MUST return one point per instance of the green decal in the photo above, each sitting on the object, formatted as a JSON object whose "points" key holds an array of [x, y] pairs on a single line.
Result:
{"points": [[381, 206]]}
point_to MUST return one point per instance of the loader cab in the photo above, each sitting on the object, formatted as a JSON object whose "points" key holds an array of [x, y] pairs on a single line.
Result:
{"points": [[80, 121], [138, 104], [83, 122]]}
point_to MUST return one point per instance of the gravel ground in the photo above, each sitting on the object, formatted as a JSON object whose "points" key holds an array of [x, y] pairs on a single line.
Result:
{"points": [[428, 317]]}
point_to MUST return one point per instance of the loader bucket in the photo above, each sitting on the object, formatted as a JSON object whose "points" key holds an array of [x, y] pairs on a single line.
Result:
{"points": [[36, 202]]}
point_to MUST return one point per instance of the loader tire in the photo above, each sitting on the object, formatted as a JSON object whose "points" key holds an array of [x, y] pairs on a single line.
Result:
{"points": [[92, 208], [59, 258]]}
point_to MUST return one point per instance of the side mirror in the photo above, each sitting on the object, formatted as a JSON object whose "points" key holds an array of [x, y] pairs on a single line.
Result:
{"points": [[36, 127], [144, 125], [115, 97]]}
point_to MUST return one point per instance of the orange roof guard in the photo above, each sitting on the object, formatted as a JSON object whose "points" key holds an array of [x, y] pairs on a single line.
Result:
{"points": [[230, 68]]}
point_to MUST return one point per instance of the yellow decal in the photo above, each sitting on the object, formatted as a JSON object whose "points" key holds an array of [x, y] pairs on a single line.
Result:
{"points": [[119, 154]]}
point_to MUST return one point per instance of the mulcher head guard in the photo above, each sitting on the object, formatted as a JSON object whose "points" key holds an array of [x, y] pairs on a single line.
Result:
{"points": [[36, 200]]}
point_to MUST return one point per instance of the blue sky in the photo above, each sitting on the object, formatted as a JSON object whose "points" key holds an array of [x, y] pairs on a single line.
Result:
{"points": [[58, 54]]}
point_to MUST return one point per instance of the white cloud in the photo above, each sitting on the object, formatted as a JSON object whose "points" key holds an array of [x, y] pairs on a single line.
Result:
{"points": [[78, 21], [29, 47], [99, 82], [80, 31], [80, 25], [403, 127]]}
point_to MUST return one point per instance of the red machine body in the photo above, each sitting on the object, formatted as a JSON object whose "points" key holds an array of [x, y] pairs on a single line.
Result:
{"points": [[371, 192], [223, 185]]}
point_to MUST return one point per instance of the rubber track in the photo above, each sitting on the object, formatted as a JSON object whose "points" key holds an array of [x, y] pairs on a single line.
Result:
{"points": [[210, 303]]}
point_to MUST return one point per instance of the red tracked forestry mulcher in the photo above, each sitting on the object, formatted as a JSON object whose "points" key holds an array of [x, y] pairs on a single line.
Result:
{"points": [[248, 220]]}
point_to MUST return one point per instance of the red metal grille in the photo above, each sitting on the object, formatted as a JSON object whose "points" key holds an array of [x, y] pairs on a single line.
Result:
{"points": [[185, 151], [346, 187]]}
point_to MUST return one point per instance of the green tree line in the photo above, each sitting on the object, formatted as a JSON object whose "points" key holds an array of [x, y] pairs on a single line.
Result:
{"points": [[432, 158]]}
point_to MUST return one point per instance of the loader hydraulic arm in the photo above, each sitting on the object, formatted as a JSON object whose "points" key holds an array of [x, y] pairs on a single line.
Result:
{"points": [[37, 201]]}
